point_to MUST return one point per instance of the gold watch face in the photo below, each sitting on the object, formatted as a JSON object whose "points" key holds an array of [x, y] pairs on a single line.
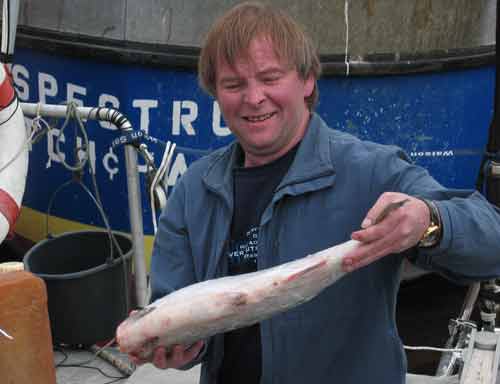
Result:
{"points": [[430, 236], [432, 228]]}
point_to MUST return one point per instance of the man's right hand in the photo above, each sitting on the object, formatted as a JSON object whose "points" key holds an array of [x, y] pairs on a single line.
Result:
{"points": [[176, 357]]}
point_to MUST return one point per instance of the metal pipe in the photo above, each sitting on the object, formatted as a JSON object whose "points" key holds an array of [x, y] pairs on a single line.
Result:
{"points": [[470, 301], [136, 227], [91, 113], [134, 193], [448, 359]]}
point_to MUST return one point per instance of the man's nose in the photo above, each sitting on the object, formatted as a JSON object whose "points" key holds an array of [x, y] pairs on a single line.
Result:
{"points": [[254, 94]]}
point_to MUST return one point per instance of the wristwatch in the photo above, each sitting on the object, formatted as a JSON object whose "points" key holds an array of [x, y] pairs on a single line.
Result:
{"points": [[433, 233]]}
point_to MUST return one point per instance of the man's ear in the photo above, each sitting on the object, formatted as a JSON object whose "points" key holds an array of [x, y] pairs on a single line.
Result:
{"points": [[309, 84]]}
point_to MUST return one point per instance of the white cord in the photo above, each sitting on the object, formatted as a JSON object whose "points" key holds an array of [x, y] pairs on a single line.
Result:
{"points": [[346, 15], [162, 170], [153, 187], [411, 348], [166, 166], [35, 128]]}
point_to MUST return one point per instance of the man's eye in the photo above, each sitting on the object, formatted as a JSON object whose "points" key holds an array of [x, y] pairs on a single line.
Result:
{"points": [[232, 86], [271, 79]]}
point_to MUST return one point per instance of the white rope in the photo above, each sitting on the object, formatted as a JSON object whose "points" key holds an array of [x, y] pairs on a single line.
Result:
{"points": [[36, 126], [346, 16], [423, 348], [162, 170]]}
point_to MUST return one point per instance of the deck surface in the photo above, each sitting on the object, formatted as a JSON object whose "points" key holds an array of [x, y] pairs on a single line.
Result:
{"points": [[147, 374], [99, 371]]}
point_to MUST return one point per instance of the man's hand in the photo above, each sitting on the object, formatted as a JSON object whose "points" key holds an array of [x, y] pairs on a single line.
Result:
{"points": [[401, 229], [176, 357]]}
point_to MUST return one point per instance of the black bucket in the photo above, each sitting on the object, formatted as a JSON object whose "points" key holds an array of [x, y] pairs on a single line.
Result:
{"points": [[86, 288]]}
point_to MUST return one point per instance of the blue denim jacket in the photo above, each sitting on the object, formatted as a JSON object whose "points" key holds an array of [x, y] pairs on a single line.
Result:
{"points": [[347, 334]]}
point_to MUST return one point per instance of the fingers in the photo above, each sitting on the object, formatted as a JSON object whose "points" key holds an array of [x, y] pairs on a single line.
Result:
{"points": [[192, 352], [378, 231], [388, 231], [177, 356], [369, 252], [135, 359], [160, 358], [376, 211]]}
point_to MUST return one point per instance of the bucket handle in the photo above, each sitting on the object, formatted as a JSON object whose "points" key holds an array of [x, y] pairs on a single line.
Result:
{"points": [[112, 239]]}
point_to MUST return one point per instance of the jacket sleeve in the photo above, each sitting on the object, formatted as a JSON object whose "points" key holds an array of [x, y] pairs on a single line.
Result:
{"points": [[172, 261], [470, 246]]}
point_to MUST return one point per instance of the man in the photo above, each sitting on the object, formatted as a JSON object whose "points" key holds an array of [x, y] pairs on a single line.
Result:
{"points": [[290, 186]]}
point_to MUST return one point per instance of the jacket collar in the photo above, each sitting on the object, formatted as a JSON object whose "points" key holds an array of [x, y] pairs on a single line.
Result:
{"points": [[313, 158], [312, 161]]}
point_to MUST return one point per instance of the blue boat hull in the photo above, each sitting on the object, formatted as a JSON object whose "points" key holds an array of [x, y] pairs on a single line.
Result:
{"points": [[441, 119]]}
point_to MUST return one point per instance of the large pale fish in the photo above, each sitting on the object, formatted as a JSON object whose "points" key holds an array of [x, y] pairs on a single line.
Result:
{"points": [[214, 306]]}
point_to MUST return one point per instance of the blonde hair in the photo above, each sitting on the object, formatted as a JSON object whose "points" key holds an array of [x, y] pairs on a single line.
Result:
{"points": [[231, 35]]}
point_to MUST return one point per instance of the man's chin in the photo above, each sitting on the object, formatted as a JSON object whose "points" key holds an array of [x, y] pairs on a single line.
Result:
{"points": [[261, 154]]}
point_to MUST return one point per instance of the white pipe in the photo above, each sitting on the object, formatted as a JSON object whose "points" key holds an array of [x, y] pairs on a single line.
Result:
{"points": [[134, 192], [89, 113], [136, 227]]}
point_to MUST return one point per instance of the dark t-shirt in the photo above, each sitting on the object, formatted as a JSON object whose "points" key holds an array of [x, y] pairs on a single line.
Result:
{"points": [[253, 190]]}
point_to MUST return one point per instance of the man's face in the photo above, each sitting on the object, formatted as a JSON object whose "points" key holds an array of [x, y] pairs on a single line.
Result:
{"points": [[262, 101]]}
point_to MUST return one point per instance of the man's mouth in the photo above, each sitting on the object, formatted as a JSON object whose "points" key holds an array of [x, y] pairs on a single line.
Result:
{"points": [[259, 118]]}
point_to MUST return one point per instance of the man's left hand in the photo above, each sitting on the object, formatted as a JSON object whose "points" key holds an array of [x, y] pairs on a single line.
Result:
{"points": [[401, 229]]}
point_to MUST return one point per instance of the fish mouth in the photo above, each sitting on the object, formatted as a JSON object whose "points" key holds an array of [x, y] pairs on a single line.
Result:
{"points": [[259, 118]]}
